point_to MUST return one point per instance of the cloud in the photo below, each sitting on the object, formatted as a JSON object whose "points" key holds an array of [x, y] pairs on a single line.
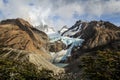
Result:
{"points": [[36, 15], [86, 9], [58, 12]]}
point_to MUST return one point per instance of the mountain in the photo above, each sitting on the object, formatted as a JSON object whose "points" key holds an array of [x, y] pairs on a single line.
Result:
{"points": [[100, 48], [97, 35], [74, 29], [46, 29], [100, 33], [21, 41], [19, 34], [63, 29], [50, 31]]}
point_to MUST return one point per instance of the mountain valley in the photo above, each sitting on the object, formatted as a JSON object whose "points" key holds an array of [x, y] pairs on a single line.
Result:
{"points": [[45, 48]]}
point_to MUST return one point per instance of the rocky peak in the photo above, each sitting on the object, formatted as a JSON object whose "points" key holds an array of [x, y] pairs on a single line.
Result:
{"points": [[95, 33], [75, 28], [94, 27]]}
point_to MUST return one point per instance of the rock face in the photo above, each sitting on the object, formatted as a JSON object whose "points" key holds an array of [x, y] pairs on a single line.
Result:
{"points": [[57, 46], [95, 34], [19, 34], [100, 34]]}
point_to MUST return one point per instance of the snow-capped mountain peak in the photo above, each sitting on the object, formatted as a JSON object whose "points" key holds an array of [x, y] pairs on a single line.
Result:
{"points": [[46, 29], [75, 29]]}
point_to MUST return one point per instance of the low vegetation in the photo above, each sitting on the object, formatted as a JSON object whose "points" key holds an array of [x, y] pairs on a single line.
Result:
{"points": [[104, 65], [16, 70]]}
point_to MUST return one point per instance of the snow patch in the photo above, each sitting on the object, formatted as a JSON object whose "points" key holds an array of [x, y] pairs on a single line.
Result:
{"points": [[73, 30]]}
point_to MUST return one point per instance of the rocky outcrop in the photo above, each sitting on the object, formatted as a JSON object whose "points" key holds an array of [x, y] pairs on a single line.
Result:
{"points": [[57, 46], [19, 34]]}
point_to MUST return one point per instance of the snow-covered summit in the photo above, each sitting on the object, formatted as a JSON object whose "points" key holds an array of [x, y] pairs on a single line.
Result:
{"points": [[75, 29], [45, 28]]}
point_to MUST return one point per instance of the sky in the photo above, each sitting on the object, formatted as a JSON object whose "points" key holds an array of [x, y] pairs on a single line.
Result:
{"points": [[57, 13]]}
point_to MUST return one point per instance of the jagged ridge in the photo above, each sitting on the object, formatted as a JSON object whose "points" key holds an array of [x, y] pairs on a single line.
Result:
{"points": [[95, 33]]}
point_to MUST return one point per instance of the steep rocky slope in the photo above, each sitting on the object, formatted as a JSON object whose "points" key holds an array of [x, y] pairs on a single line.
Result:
{"points": [[99, 34], [19, 34], [21, 41], [95, 34]]}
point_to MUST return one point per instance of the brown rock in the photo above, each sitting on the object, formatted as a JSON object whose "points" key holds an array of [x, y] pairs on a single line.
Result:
{"points": [[57, 46], [19, 34], [99, 34]]}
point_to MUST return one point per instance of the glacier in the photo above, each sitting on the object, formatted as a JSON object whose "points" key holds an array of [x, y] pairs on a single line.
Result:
{"points": [[63, 54]]}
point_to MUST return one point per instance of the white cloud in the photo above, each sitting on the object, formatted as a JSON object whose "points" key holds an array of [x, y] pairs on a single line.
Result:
{"points": [[37, 11], [36, 15], [21, 8], [67, 11], [1, 4], [111, 7]]}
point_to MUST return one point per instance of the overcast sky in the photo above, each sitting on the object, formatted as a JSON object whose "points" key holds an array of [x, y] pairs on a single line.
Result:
{"points": [[58, 13]]}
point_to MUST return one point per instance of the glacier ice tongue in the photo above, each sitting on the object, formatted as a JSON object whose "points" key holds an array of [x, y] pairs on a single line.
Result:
{"points": [[63, 54]]}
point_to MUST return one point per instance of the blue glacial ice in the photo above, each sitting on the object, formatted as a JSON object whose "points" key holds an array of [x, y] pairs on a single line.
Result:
{"points": [[63, 54]]}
